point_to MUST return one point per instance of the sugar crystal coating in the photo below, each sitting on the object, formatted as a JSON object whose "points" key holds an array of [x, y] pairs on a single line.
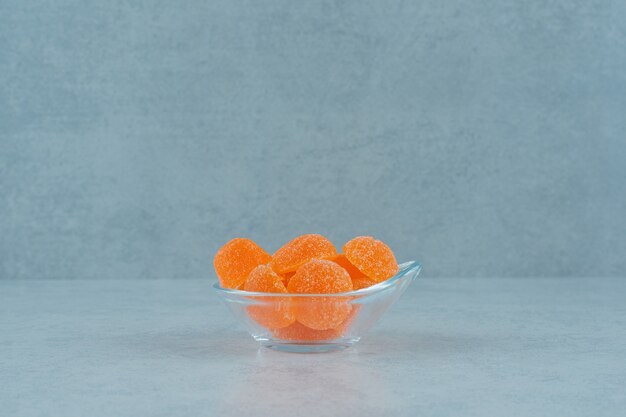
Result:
{"points": [[342, 261], [236, 259], [359, 279], [372, 257], [320, 277], [270, 312], [300, 250], [360, 283]]}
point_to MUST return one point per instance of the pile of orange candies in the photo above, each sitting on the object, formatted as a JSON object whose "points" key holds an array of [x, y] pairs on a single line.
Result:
{"points": [[308, 264]]}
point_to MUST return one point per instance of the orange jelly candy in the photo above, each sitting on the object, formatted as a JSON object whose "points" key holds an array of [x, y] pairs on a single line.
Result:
{"points": [[301, 250], [360, 283], [359, 279], [271, 312], [372, 257], [320, 277], [236, 259], [299, 332], [287, 276]]}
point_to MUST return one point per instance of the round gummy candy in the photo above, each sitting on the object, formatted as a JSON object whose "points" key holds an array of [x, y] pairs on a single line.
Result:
{"points": [[270, 312], [236, 259], [299, 332], [320, 277], [372, 257], [300, 250]]}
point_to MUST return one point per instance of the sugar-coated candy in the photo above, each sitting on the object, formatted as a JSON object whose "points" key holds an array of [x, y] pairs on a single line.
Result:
{"points": [[270, 312], [359, 279], [342, 261], [299, 332], [300, 250], [372, 257], [236, 259], [287, 276], [344, 327], [320, 277], [360, 283]]}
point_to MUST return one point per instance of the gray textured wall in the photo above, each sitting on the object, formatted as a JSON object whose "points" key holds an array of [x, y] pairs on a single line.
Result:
{"points": [[486, 138]]}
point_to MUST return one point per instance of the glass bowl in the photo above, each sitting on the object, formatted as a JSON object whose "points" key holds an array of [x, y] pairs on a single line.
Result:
{"points": [[333, 321]]}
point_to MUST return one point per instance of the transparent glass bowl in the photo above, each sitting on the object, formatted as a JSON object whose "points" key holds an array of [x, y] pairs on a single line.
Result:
{"points": [[340, 320]]}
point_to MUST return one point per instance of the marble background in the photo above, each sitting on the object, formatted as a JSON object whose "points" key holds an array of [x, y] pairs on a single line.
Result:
{"points": [[485, 138]]}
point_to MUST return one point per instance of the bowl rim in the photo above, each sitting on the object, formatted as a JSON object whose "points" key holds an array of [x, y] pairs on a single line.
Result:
{"points": [[405, 269]]}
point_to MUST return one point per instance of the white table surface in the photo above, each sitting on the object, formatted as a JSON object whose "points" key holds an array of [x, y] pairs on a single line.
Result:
{"points": [[448, 347]]}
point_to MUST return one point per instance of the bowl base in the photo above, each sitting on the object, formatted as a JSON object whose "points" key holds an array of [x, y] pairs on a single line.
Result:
{"points": [[305, 348], [308, 347]]}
